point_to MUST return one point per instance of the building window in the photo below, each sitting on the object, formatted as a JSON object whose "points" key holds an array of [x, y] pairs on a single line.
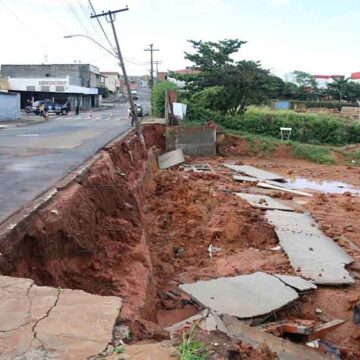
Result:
{"points": [[30, 88], [60, 89], [45, 88]]}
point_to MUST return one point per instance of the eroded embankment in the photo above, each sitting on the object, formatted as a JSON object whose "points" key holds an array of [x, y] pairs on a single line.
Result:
{"points": [[90, 236]]}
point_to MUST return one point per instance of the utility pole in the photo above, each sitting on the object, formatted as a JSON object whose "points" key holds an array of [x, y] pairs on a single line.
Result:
{"points": [[110, 18], [151, 49], [157, 63]]}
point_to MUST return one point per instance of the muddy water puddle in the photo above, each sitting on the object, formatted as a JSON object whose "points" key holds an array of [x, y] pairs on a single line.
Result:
{"points": [[332, 187]]}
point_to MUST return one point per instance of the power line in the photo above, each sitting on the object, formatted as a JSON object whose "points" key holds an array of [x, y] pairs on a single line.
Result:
{"points": [[75, 15], [101, 26], [85, 12], [28, 30], [111, 17]]}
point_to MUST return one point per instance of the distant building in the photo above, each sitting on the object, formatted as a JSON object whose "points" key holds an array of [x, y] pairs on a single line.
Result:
{"points": [[355, 76], [79, 83], [112, 81], [324, 80]]}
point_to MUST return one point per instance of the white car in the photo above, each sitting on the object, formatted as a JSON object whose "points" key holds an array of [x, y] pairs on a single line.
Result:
{"points": [[134, 94]]}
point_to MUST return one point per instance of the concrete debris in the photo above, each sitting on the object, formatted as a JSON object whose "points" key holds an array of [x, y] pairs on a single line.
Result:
{"points": [[170, 159], [202, 168], [318, 311], [39, 322], [298, 283], [260, 294], [321, 330], [311, 253], [212, 250], [307, 329], [263, 202], [285, 349], [245, 179], [266, 185], [254, 172]]}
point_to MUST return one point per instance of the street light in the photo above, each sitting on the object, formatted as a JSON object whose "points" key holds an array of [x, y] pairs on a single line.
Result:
{"points": [[94, 41]]}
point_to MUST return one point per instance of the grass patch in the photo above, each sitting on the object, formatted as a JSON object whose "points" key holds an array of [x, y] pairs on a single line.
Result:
{"points": [[190, 349], [262, 145], [317, 154]]}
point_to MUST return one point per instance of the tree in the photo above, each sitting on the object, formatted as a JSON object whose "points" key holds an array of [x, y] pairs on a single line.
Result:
{"points": [[353, 91], [308, 87], [158, 96], [304, 79], [241, 82], [291, 90], [275, 87], [340, 86]]}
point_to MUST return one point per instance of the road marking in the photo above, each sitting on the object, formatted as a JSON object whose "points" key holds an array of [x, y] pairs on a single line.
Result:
{"points": [[28, 135]]}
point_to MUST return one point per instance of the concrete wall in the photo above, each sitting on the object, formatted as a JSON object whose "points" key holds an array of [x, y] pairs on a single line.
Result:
{"points": [[194, 141], [9, 106]]}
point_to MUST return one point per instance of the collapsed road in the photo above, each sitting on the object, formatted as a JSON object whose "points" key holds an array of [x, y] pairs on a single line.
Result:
{"points": [[137, 243]]}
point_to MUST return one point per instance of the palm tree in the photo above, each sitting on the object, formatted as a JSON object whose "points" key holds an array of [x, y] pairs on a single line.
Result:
{"points": [[340, 85]]}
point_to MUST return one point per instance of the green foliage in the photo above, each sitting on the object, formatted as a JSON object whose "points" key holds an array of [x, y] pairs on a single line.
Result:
{"points": [[340, 86], [211, 98], [318, 154], [158, 96], [190, 349], [237, 84], [304, 79], [308, 128], [119, 349], [291, 90]]}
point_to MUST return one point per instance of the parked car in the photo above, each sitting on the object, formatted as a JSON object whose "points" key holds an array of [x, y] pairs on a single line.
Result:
{"points": [[52, 107], [139, 110], [134, 94]]}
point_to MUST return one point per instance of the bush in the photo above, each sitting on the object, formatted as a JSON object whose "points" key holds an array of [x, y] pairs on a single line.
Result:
{"points": [[158, 96], [306, 128]]}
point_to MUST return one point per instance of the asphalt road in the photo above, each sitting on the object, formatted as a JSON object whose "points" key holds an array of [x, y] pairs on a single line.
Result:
{"points": [[33, 158]]}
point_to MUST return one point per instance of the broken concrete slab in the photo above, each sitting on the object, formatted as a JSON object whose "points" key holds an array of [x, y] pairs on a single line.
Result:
{"points": [[311, 253], [285, 349], [296, 282], [170, 159], [266, 185], [39, 321], [263, 202], [243, 178], [243, 296], [254, 172]]}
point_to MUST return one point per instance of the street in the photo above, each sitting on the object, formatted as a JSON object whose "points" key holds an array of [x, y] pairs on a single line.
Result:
{"points": [[33, 158]]}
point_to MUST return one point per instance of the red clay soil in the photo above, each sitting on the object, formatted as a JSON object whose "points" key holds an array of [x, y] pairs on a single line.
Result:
{"points": [[184, 215]]}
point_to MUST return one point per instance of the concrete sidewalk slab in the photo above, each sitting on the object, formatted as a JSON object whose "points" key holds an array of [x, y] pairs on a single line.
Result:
{"points": [[39, 322], [263, 202], [310, 252], [243, 296], [254, 172]]}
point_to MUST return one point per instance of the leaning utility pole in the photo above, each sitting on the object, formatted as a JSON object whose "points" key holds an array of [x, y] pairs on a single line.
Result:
{"points": [[110, 17], [151, 49]]}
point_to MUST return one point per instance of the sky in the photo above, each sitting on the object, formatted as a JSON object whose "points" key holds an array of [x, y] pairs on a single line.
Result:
{"points": [[316, 36]]}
